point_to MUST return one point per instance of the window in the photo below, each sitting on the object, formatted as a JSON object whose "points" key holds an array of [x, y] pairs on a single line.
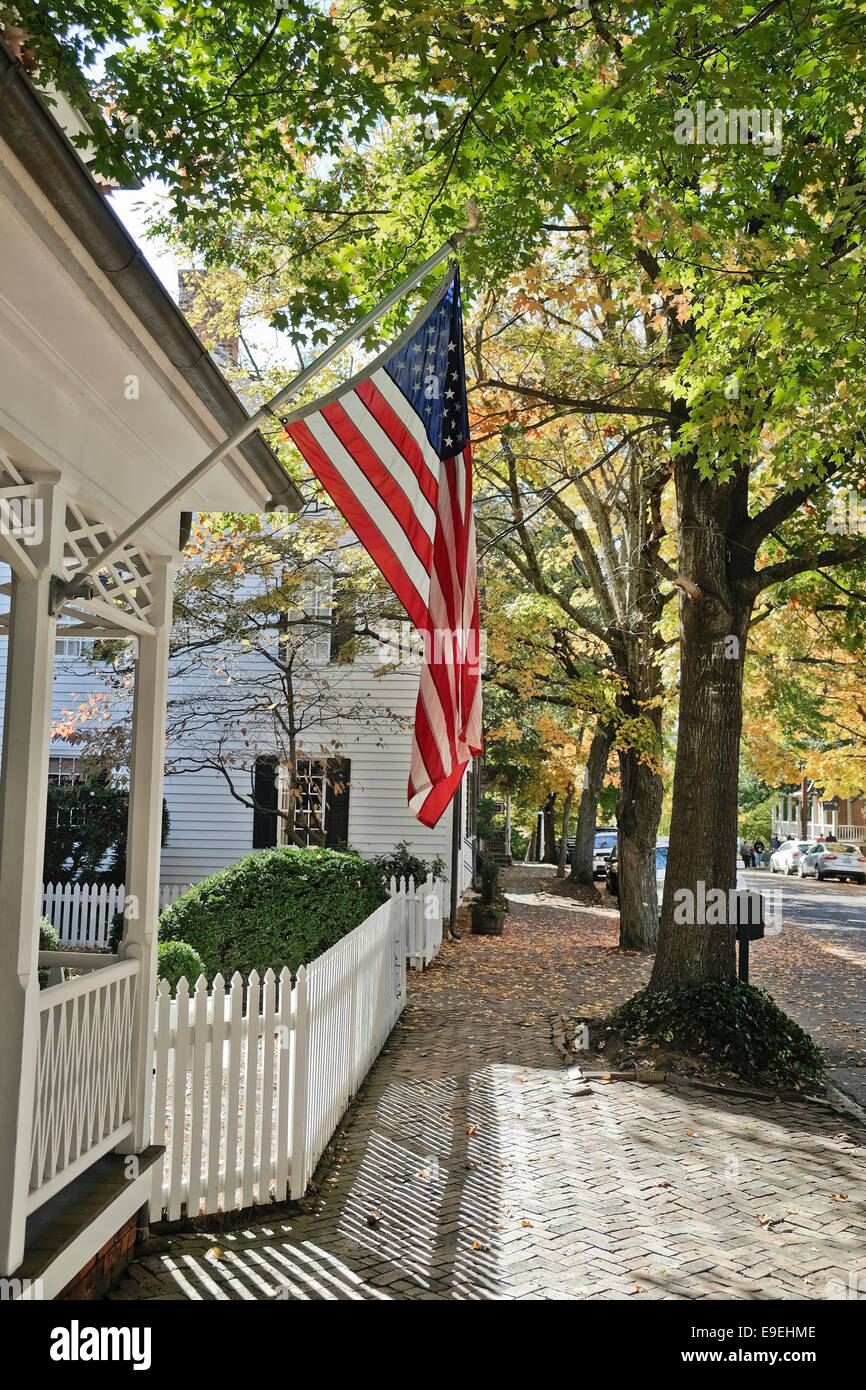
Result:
{"points": [[310, 798], [63, 772], [314, 637], [321, 802], [69, 648]]}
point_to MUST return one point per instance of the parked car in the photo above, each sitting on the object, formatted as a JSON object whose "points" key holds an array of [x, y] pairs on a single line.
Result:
{"points": [[611, 875], [662, 845], [832, 860], [604, 846], [786, 859]]}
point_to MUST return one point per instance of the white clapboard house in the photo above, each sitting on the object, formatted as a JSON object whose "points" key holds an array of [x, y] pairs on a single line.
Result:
{"points": [[354, 769], [107, 399]]}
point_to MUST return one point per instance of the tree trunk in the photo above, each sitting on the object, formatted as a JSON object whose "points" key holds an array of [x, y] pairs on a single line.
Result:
{"points": [[637, 816], [550, 829], [530, 848], [587, 811], [562, 857], [713, 629]]}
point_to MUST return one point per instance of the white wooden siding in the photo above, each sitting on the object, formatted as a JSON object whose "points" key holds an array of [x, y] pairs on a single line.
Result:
{"points": [[210, 830]]}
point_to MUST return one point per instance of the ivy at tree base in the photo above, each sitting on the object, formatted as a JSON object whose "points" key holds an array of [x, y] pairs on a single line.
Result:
{"points": [[733, 1026]]}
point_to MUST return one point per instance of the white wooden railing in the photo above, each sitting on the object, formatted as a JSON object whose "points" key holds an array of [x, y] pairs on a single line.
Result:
{"points": [[82, 913], [82, 1103], [842, 833], [251, 1082]]}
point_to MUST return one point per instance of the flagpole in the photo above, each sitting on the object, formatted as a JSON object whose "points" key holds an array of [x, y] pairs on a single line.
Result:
{"points": [[456, 847], [82, 584]]}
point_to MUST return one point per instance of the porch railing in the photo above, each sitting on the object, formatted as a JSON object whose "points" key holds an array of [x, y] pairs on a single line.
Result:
{"points": [[842, 833], [82, 1105]]}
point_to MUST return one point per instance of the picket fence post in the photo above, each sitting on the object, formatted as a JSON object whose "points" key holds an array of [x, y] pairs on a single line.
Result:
{"points": [[301, 1084]]}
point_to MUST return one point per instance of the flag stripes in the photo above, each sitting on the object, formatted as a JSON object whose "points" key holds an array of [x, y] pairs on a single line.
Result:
{"points": [[392, 450]]}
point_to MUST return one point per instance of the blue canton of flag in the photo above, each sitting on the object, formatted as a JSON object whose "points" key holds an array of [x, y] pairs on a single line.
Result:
{"points": [[428, 368]]}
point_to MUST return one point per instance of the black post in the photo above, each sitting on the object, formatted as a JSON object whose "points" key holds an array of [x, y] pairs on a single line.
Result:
{"points": [[743, 937], [456, 844]]}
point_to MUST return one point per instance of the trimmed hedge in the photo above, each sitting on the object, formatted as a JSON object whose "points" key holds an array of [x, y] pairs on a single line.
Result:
{"points": [[737, 1026], [276, 908], [176, 958]]}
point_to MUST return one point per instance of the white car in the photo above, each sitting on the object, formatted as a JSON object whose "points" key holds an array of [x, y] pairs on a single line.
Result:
{"points": [[829, 859], [605, 841], [786, 859]]}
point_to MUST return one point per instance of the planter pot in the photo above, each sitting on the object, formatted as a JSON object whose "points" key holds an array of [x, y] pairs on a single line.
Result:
{"points": [[487, 921]]}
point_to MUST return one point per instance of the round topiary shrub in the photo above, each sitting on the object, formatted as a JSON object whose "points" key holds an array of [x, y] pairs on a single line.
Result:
{"points": [[737, 1026], [276, 908], [176, 958]]}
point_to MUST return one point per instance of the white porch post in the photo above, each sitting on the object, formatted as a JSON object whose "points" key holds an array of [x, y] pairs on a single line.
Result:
{"points": [[23, 798], [508, 825], [143, 842]]}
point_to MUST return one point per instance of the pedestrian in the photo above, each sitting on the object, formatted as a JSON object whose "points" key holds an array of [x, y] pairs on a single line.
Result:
{"points": [[774, 843], [759, 850], [748, 854]]}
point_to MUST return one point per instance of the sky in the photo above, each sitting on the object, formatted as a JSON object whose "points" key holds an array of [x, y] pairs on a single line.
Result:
{"points": [[132, 207]]}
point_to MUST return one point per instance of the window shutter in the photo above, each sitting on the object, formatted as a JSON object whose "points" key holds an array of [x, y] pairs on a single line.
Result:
{"points": [[337, 802], [265, 794]]}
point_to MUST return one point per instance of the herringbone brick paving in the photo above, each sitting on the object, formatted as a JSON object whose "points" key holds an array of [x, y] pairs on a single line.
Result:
{"points": [[471, 1168]]}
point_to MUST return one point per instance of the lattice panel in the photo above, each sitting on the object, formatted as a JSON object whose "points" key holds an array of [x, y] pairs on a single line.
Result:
{"points": [[125, 581], [83, 1082]]}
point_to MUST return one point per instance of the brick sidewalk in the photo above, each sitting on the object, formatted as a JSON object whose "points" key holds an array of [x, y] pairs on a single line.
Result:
{"points": [[468, 1168]]}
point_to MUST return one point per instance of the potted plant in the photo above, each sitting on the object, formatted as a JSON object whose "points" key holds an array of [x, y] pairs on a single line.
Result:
{"points": [[488, 913]]}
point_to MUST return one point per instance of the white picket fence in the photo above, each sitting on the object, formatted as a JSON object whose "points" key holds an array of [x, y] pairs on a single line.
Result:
{"points": [[82, 913], [252, 1081], [423, 909]]}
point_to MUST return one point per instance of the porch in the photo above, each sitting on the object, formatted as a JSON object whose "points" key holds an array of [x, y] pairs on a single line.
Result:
{"points": [[107, 399], [836, 819]]}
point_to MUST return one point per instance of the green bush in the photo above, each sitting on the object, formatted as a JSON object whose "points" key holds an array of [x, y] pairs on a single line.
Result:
{"points": [[402, 863], [757, 823], [176, 958], [737, 1026], [276, 908], [85, 832], [48, 941], [490, 894]]}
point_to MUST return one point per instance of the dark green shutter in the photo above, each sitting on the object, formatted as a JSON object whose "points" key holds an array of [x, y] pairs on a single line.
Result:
{"points": [[265, 796], [337, 801]]}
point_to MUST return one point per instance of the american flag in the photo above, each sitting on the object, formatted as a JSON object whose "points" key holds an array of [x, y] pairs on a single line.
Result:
{"points": [[391, 448]]}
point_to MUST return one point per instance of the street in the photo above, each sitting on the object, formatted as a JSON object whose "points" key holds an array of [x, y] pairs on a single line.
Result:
{"points": [[830, 906], [814, 966]]}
